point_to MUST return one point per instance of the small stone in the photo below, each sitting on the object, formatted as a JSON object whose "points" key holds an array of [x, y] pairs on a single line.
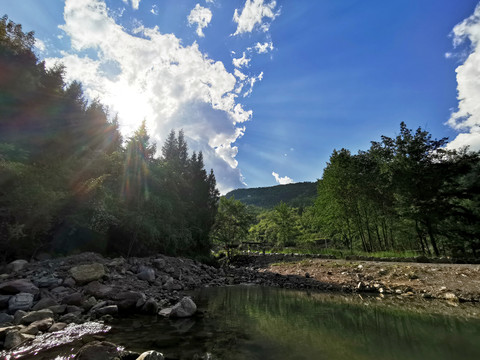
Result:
{"points": [[47, 282], [97, 350], [73, 299], [151, 355], [44, 324], [150, 306], [58, 309], [107, 310], [69, 282], [307, 275], [70, 318], [451, 297]]}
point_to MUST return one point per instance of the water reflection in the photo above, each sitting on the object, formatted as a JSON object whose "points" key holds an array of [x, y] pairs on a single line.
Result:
{"points": [[267, 323]]}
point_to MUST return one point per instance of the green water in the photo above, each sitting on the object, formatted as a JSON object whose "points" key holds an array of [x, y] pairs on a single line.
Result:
{"points": [[268, 323]]}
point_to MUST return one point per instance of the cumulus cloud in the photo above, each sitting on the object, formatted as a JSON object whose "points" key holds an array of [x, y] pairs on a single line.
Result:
{"points": [[282, 180], [241, 62], [466, 118], [200, 16], [154, 10], [153, 76], [263, 48], [253, 14], [135, 3]]}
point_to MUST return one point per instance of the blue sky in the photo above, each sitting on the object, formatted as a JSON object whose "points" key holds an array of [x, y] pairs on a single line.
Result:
{"points": [[267, 89]]}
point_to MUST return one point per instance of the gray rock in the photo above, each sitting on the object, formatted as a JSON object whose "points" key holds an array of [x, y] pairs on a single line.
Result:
{"points": [[73, 299], [44, 303], [15, 338], [19, 314], [150, 306], [30, 330], [70, 318], [100, 291], [107, 310], [47, 282], [159, 263], [97, 350], [21, 301], [57, 327], [83, 274], [165, 312], [35, 316], [147, 274], [16, 265], [172, 284], [44, 324], [69, 282], [58, 309], [151, 355], [89, 303], [18, 286], [128, 300], [74, 309], [5, 318], [185, 308]]}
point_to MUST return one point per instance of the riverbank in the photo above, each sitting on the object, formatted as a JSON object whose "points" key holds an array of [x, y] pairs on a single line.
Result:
{"points": [[67, 298]]}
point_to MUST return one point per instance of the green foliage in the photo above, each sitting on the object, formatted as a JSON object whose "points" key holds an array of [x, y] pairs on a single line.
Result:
{"points": [[407, 193], [231, 223], [296, 195], [68, 183]]}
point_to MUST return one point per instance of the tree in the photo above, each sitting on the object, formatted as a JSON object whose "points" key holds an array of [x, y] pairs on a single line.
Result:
{"points": [[231, 223]]}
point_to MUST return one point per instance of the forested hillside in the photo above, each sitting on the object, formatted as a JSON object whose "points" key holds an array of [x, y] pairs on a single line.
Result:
{"points": [[69, 182], [296, 195]]}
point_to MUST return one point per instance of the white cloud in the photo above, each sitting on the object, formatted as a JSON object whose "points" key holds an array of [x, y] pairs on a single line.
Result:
{"points": [[251, 81], [40, 45], [154, 10], [263, 48], [282, 180], [467, 117], [209, 1], [253, 14], [200, 16], [240, 62], [153, 76], [135, 3]]}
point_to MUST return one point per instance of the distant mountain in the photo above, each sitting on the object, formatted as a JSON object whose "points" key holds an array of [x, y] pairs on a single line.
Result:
{"points": [[296, 195]]}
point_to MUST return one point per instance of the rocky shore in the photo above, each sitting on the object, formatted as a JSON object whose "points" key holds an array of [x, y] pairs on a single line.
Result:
{"points": [[57, 301]]}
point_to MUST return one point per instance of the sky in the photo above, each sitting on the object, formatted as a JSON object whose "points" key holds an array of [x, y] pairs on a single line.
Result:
{"points": [[268, 89]]}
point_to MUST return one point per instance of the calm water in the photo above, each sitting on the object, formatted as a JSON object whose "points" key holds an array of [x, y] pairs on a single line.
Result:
{"points": [[268, 323], [246, 322]]}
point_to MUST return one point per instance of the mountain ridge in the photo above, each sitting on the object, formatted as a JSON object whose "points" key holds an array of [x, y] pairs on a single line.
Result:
{"points": [[296, 195]]}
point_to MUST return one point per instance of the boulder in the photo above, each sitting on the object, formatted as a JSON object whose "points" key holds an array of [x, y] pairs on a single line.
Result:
{"points": [[83, 274], [15, 338], [73, 299], [150, 306], [100, 291], [128, 300], [35, 316], [5, 319], [151, 355], [18, 286], [44, 303], [146, 274], [97, 350], [16, 265], [184, 308], [107, 310], [47, 282], [21, 301]]}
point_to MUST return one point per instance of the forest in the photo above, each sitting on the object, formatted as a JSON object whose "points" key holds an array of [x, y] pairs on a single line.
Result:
{"points": [[409, 193], [70, 182]]}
